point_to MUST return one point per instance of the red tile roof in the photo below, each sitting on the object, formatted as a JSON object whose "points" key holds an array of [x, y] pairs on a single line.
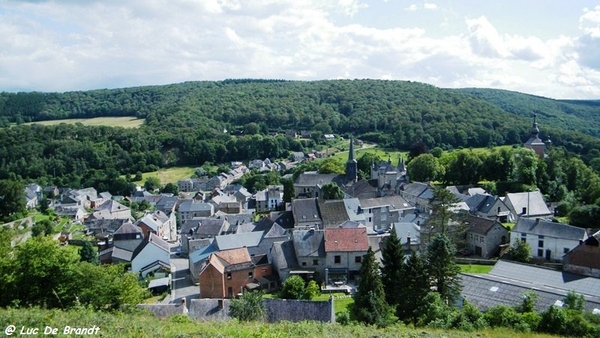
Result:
{"points": [[346, 239]]}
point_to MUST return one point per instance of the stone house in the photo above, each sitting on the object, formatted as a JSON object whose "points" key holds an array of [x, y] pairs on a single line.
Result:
{"points": [[484, 236]]}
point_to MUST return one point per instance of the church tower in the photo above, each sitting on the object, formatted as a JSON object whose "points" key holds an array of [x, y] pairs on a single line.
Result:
{"points": [[351, 164], [535, 143]]}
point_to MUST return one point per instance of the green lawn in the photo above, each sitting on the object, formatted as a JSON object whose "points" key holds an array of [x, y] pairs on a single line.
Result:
{"points": [[169, 175], [123, 121], [473, 268]]}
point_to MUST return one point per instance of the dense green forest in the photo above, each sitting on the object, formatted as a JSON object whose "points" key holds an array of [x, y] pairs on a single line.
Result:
{"points": [[192, 123]]}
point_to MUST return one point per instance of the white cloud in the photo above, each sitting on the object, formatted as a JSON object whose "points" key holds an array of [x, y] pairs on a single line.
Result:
{"points": [[430, 6], [70, 45]]}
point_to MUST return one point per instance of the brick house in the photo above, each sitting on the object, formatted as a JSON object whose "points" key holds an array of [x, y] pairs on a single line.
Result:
{"points": [[228, 272], [584, 259]]}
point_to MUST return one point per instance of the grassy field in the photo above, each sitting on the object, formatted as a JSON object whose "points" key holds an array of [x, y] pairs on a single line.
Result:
{"points": [[123, 121], [381, 152], [141, 324], [472, 268], [169, 175]]}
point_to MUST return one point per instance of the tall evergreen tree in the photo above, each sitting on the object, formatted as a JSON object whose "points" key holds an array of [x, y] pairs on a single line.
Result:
{"points": [[442, 267], [369, 305], [415, 286], [391, 271]]}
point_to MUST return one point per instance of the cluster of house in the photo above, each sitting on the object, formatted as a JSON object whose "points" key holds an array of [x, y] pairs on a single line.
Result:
{"points": [[229, 250]]}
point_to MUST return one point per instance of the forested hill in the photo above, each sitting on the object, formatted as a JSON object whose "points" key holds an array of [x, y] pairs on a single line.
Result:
{"points": [[185, 123], [579, 115]]}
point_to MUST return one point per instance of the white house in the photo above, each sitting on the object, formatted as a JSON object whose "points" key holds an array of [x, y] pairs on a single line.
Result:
{"points": [[152, 254], [547, 240], [527, 205]]}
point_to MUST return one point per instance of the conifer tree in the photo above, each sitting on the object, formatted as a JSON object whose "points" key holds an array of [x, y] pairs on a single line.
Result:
{"points": [[391, 271], [442, 267], [415, 286], [369, 305]]}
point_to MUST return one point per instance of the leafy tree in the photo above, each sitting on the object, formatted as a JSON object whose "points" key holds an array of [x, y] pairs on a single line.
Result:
{"points": [[585, 216], [332, 191], [331, 166], [42, 227], [293, 288], [251, 128], [87, 253], [554, 321], [432, 308], [424, 167], [152, 183], [442, 215], [42, 274], [171, 188], [417, 149], [520, 251], [312, 290], [365, 161], [443, 270], [574, 301], [369, 305], [12, 200], [249, 307], [392, 269], [528, 303]]}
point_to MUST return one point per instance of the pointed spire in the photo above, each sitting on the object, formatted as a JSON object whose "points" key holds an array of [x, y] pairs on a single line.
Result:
{"points": [[351, 151], [534, 129]]}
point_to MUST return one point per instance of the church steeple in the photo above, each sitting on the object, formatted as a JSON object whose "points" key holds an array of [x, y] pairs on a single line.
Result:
{"points": [[351, 164], [534, 129]]}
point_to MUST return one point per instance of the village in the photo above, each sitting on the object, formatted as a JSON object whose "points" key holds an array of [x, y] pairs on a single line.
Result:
{"points": [[215, 240]]}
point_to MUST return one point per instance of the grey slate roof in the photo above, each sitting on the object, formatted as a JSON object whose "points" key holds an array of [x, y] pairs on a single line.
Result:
{"points": [[476, 201], [548, 228], [333, 212], [189, 206], [284, 255], [311, 178], [542, 277], [234, 241], [305, 209], [394, 202], [285, 219], [485, 291], [128, 228], [309, 243], [405, 230], [480, 225], [361, 189], [418, 189], [102, 225], [210, 227], [152, 239]]}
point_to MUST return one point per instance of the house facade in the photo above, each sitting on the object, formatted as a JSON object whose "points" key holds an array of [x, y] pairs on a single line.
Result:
{"points": [[228, 272], [584, 259], [381, 212], [548, 240], [344, 251], [484, 236]]}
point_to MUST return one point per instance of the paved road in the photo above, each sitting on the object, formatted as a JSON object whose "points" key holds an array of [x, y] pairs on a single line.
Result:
{"points": [[182, 283]]}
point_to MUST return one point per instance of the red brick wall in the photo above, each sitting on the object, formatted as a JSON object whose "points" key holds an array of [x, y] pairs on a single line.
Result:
{"points": [[211, 283]]}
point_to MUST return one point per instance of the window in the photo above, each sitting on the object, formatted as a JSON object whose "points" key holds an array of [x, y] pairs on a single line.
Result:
{"points": [[540, 253], [524, 237], [565, 250], [499, 209], [358, 259], [540, 241], [303, 263], [229, 275], [482, 239], [337, 259], [250, 275], [370, 219], [315, 262]]}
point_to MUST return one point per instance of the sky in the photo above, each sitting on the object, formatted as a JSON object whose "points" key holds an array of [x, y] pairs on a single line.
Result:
{"points": [[543, 47]]}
